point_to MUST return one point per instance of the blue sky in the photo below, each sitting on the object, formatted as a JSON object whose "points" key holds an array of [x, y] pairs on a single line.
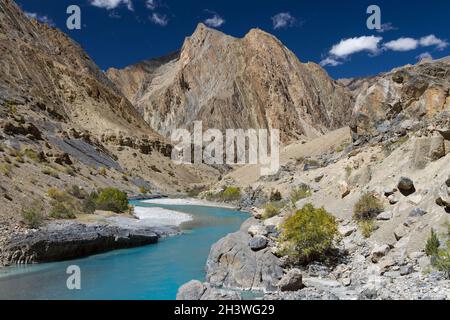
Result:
{"points": [[117, 33]]}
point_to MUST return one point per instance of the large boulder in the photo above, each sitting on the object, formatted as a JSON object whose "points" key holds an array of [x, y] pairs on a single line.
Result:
{"points": [[406, 186], [292, 281], [258, 243], [193, 290], [233, 264], [379, 252]]}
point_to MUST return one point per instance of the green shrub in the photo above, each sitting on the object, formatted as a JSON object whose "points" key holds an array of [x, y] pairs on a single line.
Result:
{"points": [[367, 227], [64, 205], [367, 207], [308, 234], [299, 193], [230, 194], [275, 196], [271, 209], [33, 217], [442, 260], [32, 155], [89, 203], [102, 171], [433, 244], [111, 199], [5, 168]]}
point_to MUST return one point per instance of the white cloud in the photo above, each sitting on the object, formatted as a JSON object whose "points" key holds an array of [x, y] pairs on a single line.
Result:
{"points": [[283, 20], [402, 44], [408, 44], [159, 19], [151, 4], [424, 56], [350, 46], [432, 40], [215, 21], [330, 62], [111, 4], [41, 18], [385, 27]]}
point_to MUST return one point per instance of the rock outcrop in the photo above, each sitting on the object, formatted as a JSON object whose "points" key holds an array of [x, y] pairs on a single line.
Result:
{"points": [[233, 264], [70, 240], [253, 82]]}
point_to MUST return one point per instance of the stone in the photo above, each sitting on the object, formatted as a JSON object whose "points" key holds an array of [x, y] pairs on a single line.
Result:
{"points": [[191, 291], [347, 230], [415, 198], [417, 212], [378, 252], [258, 243], [274, 222], [346, 281], [232, 263], [385, 216], [406, 186], [400, 232], [406, 270], [389, 191], [292, 281], [257, 230], [344, 189], [447, 182], [319, 178], [393, 199]]}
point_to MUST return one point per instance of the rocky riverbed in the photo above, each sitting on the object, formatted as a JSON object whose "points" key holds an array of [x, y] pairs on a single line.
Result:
{"points": [[245, 264]]}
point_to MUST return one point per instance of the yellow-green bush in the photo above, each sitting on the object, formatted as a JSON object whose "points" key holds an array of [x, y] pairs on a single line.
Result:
{"points": [[367, 227], [230, 194], [433, 244], [367, 207], [64, 205], [299, 193], [33, 216], [111, 199], [271, 209], [308, 234]]}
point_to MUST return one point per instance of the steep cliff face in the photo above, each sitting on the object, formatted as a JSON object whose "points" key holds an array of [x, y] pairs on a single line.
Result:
{"points": [[253, 82], [63, 123], [42, 67], [416, 92]]}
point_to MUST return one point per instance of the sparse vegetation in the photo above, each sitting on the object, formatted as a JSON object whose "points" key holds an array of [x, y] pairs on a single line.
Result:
{"points": [[31, 154], [368, 207], [11, 106], [275, 196], [308, 234], [64, 205], [391, 147], [33, 216], [5, 168], [365, 211], [102, 171], [433, 244], [440, 256], [299, 193], [230, 194], [271, 209], [367, 227]]}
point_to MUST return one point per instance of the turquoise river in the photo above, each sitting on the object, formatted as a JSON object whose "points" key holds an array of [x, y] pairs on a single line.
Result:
{"points": [[153, 272]]}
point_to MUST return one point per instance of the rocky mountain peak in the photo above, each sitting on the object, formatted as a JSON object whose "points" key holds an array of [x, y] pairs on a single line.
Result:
{"points": [[228, 82]]}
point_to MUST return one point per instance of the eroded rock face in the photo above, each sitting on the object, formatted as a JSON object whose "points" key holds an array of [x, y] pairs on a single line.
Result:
{"points": [[69, 240], [253, 82], [233, 264], [411, 92]]}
